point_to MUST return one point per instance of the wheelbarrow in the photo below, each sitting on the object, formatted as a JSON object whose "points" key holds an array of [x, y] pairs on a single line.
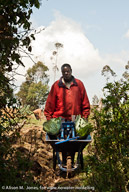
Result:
{"points": [[68, 143]]}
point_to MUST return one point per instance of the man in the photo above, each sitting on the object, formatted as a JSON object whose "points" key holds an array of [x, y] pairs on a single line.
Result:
{"points": [[67, 97]]}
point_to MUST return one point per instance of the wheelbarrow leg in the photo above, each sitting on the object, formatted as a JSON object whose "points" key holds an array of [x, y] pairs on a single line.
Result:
{"points": [[54, 159], [81, 160]]}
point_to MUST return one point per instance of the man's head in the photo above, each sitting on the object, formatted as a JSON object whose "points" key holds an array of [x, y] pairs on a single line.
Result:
{"points": [[66, 72]]}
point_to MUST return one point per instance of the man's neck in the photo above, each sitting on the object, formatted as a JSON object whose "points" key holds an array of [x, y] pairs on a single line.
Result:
{"points": [[67, 83]]}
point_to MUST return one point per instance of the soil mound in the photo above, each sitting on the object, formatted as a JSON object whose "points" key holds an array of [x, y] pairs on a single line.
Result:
{"points": [[32, 144]]}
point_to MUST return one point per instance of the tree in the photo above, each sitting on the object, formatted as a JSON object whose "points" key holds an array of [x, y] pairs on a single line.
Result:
{"points": [[55, 58], [15, 39], [107, 163], [107, 72], [15, 36], [126, 74], [37, 73], [95, 100], [14, 16], [34, 90]]}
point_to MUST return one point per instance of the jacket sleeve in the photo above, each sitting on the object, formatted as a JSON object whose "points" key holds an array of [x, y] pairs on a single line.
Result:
{"points": [[50, 103], [85, 104]]}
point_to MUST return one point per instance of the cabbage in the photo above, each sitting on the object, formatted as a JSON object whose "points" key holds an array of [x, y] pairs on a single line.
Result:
{"points": [[52, 126], [82, 126]]}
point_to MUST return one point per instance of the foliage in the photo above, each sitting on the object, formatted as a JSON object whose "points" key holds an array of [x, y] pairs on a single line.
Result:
{"points": [[95, 100], [52, 126], [107, 164], [17, 173], [15, 37], [82, 126], [54, 58], [14, 16], [34, 90], [107, 71], [37, 74], [13, 166], [5, 90]]}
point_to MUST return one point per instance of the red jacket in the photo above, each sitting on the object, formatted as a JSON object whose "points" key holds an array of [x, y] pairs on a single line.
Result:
{"points": [[64, 102]]}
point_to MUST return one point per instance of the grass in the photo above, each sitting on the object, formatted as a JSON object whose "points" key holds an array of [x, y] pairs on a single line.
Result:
{"points": [[32, 121]]}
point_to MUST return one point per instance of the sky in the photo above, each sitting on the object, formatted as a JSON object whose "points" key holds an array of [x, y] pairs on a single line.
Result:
{"points": [[93, 34]]}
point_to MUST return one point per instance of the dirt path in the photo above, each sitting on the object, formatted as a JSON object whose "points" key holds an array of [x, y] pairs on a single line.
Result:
{"points": [[32, 143]]}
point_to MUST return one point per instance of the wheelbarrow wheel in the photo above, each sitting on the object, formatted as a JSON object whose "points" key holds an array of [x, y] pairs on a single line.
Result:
{"points": [[69, 166]]}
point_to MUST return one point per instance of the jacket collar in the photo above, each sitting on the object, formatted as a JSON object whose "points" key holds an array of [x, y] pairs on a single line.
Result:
{"points": [[61, 84]]}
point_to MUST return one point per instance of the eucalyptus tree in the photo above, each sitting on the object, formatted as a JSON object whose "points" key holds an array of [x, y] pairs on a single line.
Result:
{"points": [[34, 90]]}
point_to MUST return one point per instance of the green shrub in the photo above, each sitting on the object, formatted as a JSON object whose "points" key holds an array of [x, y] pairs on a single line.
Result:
{"points": [[15, 167], [108, 161]]}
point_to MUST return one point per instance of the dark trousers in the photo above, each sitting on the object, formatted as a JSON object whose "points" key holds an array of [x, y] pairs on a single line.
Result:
{"points": [[64, 156]]}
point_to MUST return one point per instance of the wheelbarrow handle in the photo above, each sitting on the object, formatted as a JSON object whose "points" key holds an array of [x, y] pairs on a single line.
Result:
{"points": [[73, 138]]}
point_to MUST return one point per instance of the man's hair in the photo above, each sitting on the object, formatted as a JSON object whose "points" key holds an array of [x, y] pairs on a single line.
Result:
{"points": [[66, 65]]}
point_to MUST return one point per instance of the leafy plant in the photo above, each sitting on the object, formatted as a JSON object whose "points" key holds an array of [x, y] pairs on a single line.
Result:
{"points": [[107, 164], [34, 90], [52, 126], [15, 37], [82, 126]]}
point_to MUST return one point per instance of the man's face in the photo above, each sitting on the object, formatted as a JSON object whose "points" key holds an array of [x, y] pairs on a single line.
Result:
{"points": [[67, 74]]}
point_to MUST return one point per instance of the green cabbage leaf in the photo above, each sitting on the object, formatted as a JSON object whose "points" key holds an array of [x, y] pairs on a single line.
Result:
{"points": [[52, 126], [82, 126]]}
